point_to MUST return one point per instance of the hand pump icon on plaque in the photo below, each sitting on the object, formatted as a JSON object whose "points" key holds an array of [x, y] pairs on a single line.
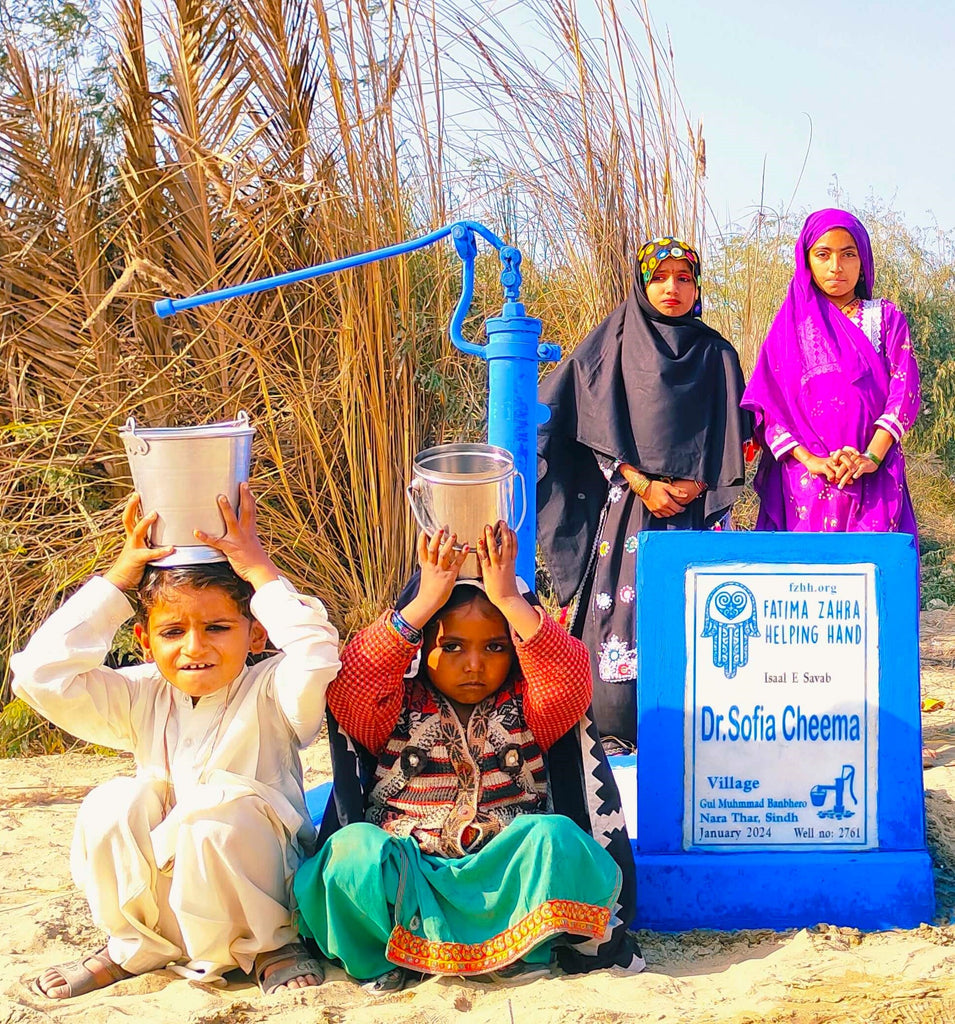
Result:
{"points": [[839, 811]]}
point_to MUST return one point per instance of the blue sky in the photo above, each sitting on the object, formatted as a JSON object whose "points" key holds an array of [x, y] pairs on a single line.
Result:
{"points": [[875, 78]]}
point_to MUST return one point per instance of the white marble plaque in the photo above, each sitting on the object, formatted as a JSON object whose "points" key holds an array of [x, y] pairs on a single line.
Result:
{"points": [[781, 713]]}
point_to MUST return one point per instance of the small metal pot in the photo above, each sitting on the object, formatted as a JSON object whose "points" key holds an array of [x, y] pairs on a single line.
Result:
{"points": [[465, 487]]}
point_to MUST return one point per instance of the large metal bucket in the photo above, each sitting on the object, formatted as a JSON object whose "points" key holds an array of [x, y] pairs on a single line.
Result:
{"points": [[179, 472], [465, 487]]}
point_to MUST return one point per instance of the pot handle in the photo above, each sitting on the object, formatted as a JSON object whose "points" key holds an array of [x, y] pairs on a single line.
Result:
{"points": [[412, 491], [134, 444], [520, 522]]}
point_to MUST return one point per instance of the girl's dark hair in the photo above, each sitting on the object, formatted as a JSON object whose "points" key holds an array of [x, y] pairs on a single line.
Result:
{"points": [[157, 584], [462, 594]]}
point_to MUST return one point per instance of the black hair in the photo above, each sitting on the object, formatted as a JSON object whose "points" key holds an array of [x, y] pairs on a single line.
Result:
{"points": [[463, 594], [158, 583]]}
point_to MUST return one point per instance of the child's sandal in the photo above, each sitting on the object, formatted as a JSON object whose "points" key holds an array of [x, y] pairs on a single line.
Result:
{"points": [[278, 967], [80, 978], [519, 973], [391, 981]]}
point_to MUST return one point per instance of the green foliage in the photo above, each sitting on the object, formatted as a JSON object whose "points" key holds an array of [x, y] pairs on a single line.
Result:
{"points": [[68, 37], [22, 731]]}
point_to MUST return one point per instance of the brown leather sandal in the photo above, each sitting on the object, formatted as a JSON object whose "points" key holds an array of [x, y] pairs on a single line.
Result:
{"points": [[88, 974], [278, 967]]}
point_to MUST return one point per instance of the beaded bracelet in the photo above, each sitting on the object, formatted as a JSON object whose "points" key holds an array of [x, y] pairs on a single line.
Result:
{"points": [[405, 630], [873, 457]]}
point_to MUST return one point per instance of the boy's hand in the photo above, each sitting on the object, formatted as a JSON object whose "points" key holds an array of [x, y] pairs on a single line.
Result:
{"points": [[440, 565], [241, 544], [127, 570], [497, 560]]}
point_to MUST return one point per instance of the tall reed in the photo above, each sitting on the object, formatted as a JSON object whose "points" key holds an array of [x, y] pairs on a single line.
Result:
{"points": [[265, 137]]}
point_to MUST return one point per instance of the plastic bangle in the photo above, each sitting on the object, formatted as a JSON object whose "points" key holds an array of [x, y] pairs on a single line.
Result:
{"points": [[405, 630], [869, 454]]}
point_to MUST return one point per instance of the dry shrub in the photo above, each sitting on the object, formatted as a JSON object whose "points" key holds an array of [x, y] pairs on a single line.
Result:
{"points": [[933, 495], [745, 282], [275, 136]]}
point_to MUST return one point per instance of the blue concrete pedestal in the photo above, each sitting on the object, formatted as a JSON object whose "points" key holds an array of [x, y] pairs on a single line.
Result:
{"points": [[782, 890], [820, 634]]}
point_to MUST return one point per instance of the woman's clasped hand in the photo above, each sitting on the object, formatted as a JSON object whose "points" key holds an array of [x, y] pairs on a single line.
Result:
{"points": [[842, 466]]}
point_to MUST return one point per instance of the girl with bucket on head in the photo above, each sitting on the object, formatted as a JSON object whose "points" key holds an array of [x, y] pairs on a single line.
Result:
{"points": [[835, 387], [469, 701], [645, 433]]}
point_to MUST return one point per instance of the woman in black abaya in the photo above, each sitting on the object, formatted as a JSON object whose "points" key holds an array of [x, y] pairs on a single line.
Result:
{"points": [[645, 433]]}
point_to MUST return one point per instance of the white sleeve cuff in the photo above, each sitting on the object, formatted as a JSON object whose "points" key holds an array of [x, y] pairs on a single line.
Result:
{"points": [[783, 444], [888, 421]]}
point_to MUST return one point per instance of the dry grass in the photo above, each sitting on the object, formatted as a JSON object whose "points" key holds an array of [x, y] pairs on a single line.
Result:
{"points": [[295, 132], [592, 150], [268, 138], [745, 284]]}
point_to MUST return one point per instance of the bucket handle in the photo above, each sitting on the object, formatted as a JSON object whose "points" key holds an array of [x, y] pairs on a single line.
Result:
{"points": [[520, 522], [412, 491], [135, 445]]}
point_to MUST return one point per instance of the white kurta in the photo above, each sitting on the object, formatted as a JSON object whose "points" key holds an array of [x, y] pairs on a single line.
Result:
{"points": [[192, 860]]}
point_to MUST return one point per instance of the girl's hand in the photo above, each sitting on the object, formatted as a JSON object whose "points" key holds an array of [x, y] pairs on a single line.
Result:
{"points": [[863, 466], [241, 544], [440, 565], [665, 500], [821, 467], [846, 460], [127, 571], [497, 556], [853, 464]]}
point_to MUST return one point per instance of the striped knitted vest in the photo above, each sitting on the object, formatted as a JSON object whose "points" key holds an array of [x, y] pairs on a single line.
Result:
{"points": [[455, 788]]}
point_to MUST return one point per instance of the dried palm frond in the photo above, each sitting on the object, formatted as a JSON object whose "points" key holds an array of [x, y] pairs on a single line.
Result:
{"points": [[257, 139]]}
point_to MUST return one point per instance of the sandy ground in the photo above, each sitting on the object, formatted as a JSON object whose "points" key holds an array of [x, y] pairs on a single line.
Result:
{"points": [[805, 977]]}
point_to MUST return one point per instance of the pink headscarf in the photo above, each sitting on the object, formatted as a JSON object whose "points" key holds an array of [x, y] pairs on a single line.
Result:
{"points": [[817, 374]]}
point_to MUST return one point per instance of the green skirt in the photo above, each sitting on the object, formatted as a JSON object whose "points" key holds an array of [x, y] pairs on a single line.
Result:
{"points": [[372, 900]]}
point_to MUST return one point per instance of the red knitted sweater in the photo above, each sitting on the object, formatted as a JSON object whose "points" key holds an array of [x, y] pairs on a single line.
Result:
{"points": [[454, 787]]}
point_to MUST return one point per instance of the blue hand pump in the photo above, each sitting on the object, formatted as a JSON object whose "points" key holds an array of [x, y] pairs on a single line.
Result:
{"points": [[513, 351]]}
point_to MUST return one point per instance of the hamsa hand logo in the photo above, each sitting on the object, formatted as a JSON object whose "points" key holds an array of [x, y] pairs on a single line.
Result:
{"points": [[730, 619]]}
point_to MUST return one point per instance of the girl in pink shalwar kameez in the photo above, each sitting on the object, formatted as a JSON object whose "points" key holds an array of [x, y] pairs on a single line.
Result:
{"points": [[836, 385]]}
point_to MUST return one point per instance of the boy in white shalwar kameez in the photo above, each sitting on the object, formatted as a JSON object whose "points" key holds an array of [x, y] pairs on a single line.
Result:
{"points": [[190, 862]]}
